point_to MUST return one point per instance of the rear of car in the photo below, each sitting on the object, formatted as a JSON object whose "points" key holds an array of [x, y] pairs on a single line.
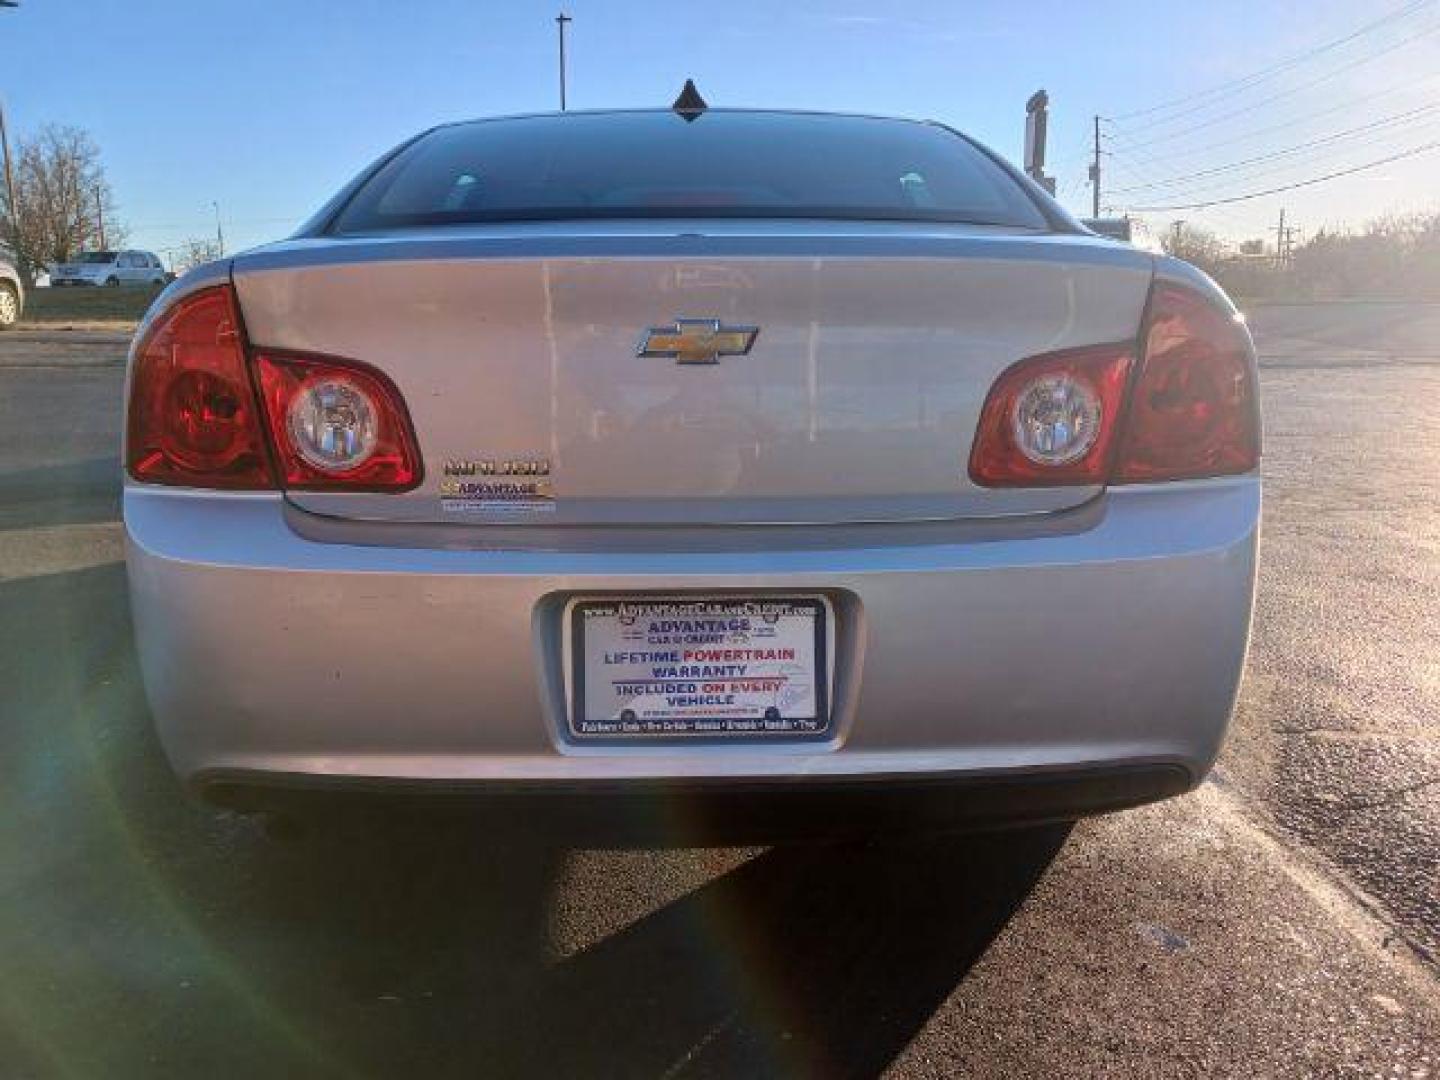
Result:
{"points": [[768, 457]]}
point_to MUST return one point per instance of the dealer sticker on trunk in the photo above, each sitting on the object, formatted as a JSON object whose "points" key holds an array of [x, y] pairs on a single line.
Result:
{"points": [[712, 667], [489, 485]]}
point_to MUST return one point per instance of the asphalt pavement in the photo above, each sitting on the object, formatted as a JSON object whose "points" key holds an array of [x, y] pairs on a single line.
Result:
{"points": [[1284, 920]]}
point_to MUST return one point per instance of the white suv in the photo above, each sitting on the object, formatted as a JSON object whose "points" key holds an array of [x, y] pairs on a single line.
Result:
{"points": [[111, 268]]}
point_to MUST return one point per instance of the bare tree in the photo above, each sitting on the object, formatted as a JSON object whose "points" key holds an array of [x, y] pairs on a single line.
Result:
{"points": [[194, 252], [1195, 245], [64, 202], [1391, 257], [1396, 257]]}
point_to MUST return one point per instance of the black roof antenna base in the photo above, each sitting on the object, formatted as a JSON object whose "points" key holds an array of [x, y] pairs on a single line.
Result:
{"points": [[690, 104]]}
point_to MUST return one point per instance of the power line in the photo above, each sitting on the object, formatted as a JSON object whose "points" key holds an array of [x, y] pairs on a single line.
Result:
{"points": [[1164, 164], [1167, 160], [1080, 152], [1397, 118], [1225, 218], [1412, 152], [1244, 82], [1288, 91], [1318, 160]]}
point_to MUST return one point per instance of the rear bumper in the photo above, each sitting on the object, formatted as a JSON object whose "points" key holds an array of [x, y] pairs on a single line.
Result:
{"points": [[724, 811], [1110, 637]]}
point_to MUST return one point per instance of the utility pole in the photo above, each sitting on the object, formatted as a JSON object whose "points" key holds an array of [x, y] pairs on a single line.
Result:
{"points": [[100, 216], [1095, 175], [1175, 228], [560, 21], [1280, 240], [219, 232], [12, 207]]}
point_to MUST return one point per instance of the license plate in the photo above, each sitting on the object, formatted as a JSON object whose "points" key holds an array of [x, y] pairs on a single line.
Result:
{"points": [[716, 667]]}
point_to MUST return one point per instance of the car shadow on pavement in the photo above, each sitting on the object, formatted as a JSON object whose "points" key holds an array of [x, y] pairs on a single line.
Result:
{"points": [[421, 944], [819, 961], [146, 935]]}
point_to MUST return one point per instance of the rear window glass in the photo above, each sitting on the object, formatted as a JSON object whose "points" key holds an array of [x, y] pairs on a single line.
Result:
{"points": [[657, 164], [96, 257]]}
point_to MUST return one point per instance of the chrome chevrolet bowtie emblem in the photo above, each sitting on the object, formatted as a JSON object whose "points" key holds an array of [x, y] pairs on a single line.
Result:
{"points": [[697, 341]]}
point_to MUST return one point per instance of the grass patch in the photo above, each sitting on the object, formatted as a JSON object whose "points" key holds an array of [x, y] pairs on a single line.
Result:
{"points": [[87, 308]]}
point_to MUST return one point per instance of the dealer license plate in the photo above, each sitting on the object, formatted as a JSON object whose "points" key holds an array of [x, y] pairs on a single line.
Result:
{"points": [[723, 668]]}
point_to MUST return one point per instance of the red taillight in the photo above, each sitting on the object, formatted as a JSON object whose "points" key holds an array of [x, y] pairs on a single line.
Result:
{"points": [[195, 419], [193, 416], [336, 425], [1050, 420], [1193, 410]]}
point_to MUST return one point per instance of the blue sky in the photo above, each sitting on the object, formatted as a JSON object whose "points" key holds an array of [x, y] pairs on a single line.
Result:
{"points": [[267, 106]]}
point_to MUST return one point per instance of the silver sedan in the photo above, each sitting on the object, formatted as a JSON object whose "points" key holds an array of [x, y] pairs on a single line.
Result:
{"points": [[694, 468]]}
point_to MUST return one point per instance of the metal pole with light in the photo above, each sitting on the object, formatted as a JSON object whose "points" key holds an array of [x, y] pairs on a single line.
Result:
{"points": [[560, 21], [14, 209], [14, 214]]}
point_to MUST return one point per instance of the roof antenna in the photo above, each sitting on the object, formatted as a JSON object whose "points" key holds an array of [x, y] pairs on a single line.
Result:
{"points": [[689, 104]]}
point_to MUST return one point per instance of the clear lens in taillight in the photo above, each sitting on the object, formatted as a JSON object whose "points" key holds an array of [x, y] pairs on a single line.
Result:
{"points": [[336, 424], [193, 419], [1056, 419], [1051, 419], [332, 424], [1194, 410]]}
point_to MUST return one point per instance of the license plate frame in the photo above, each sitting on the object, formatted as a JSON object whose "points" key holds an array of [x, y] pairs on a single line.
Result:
{"points": [[806, 717]]}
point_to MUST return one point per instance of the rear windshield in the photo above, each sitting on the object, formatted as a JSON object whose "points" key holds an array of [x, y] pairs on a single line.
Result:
{"points": [[658, 164]]}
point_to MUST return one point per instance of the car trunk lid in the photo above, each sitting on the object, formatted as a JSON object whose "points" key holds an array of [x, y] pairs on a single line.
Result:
{"points": [[516, 352]]}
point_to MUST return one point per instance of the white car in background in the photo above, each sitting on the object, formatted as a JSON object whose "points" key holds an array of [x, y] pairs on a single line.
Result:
{"points": [[111, 268], [12, 292]]}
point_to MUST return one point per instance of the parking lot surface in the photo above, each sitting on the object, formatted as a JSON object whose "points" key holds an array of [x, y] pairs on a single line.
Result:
{"points": [[1282, 921]]}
